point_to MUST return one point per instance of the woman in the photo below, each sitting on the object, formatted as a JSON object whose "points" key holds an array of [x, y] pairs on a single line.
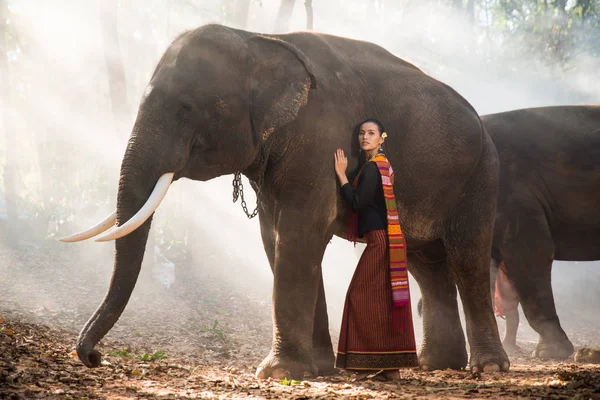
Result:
{"points": [[377, 331]]}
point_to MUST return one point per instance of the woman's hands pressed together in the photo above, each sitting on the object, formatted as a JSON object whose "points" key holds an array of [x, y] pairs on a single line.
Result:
{"points": [[341, 164]]}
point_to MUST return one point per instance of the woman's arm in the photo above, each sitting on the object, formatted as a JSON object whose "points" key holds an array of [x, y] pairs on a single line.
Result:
{"points": [[341, 163], [358, 199]]}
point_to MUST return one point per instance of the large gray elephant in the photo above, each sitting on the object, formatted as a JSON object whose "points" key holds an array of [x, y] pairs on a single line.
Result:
{"points": [[275, 107], [547, 207]]}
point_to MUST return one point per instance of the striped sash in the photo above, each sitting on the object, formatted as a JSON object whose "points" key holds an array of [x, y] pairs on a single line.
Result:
{"points": [[397, 244]]}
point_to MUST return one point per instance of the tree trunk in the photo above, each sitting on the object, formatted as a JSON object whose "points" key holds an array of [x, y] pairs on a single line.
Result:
{"points": [[471, 10], [585, 6], [457, 4], [114, 65], [561, 5], [45, 134], [10, 166], [116, 76], [240, 13], [284, 15], [309, 15]]}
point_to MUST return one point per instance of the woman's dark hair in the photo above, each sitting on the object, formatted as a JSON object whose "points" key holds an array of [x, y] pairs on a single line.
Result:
{"points": [[374, 121], [355, 145]]}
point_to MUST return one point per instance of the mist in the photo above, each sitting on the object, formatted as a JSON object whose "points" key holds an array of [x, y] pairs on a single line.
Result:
{"points": [[69, 148]]}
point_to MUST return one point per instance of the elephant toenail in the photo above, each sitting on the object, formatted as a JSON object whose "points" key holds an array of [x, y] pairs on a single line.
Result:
{"points": [[280, 373], [425, 367], [505, 366], [491, 367], [260, 373]]}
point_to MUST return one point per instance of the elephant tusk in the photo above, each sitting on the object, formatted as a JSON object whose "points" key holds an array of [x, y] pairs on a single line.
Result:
{"points": [[106, 224], [159, 192]]}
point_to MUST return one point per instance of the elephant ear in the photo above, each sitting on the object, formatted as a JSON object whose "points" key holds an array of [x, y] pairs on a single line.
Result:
{"points": [[280, 78]]}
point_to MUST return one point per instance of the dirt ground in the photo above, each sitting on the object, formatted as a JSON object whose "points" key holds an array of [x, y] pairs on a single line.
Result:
{"points": [[202, 338]]}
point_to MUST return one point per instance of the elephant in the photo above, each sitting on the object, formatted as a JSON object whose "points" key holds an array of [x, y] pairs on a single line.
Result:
{"points": [[275, 108], [547, 206]]}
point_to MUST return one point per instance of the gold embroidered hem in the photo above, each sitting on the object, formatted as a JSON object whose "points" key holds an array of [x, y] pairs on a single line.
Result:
{"points": [[376, 361]]}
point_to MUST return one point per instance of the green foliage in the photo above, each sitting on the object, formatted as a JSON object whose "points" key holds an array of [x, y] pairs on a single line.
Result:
{"points": [[558, 31], [289, 382], [217, 332], [157, 355], [121, 353]]}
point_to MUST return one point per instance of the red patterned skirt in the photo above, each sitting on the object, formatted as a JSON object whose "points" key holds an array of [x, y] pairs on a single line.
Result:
{"points": [[506, 298], [367, 338]]}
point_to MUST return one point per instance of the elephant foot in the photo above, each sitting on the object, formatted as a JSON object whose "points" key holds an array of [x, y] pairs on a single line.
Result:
{"points": [[489, 359], [511, 348], [278, 366], [559, 350], [443, 357], [325, 361]]}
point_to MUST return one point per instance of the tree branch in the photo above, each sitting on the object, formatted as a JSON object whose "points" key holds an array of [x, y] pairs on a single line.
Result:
{"points": [[309, 15]]}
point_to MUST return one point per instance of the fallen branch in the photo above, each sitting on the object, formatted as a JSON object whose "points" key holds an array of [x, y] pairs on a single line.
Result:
{"points": [[468, 387]]}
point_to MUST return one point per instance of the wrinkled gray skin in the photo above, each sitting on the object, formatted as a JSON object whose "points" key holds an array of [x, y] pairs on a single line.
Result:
{"points": [[547, 206], [276, 108]]}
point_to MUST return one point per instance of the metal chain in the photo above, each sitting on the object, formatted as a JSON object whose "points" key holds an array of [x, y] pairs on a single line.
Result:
{"points": [[238, 191]]}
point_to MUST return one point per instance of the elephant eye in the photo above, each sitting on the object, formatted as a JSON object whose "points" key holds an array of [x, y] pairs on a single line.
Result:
{"points": [[184, 112]]}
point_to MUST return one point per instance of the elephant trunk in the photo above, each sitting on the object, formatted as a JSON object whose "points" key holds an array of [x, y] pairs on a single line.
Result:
{"points": [[139, 173]]}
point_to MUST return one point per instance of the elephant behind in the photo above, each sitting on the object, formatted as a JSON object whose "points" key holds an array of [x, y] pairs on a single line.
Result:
{"points": [[275, 108], [547, 206]]}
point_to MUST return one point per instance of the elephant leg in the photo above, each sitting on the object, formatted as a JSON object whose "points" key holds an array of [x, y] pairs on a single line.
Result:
{"points": [[297, 251], [529, 257], [468, 240], [322, 351], [323, 354], [443, 343]]}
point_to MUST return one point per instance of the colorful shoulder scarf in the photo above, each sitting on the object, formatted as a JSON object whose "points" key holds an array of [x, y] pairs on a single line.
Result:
{"points": [[397, 244]]}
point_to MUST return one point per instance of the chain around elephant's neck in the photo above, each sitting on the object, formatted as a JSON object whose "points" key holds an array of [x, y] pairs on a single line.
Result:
{"points": [[238, 191], [238, 188]]}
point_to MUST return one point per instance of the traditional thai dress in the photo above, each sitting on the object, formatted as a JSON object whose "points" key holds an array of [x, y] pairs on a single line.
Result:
{"points": [[377, 329], [506, 298]]}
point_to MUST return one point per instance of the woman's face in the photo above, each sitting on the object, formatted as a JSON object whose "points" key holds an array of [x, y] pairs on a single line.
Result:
{"points": [[369, 137]]}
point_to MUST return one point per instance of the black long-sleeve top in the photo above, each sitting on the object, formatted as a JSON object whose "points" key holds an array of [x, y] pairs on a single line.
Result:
{"points": [[367, 200]]}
